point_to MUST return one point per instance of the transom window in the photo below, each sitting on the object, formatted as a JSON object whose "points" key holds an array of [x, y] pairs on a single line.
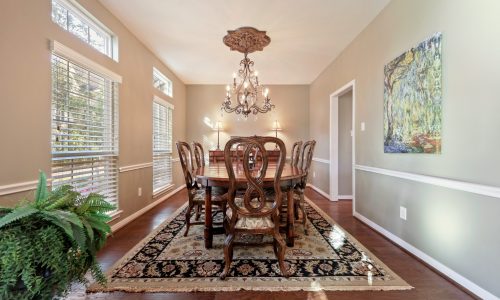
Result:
{"points": [[84, 129], [75, 19], [162, 145], [162, 83]]}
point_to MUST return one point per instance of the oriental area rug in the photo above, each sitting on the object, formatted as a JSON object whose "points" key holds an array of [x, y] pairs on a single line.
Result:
{"points": [[328, 258]]}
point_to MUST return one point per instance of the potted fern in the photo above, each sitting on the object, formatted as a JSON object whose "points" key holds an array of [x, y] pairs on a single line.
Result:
{"points": [[50, 242]]}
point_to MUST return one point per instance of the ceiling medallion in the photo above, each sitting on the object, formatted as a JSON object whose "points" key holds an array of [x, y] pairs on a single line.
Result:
{"points": [[246, 88]]}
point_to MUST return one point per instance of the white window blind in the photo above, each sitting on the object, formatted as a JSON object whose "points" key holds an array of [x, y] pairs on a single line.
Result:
{"points": [[84, 129], [75, 19], [162, 145], [162, 83]]}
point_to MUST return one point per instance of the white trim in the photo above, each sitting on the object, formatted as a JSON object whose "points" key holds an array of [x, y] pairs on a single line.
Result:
{"points": [[334, 141], [111, 43], [76, 57], [321, 160], [170, 85], [138, 213], [162, 190], [163, 102], [135, 167], [115, 215], [466, 283], [485, 190], [344, 197], [19, 187], [317, 189]]}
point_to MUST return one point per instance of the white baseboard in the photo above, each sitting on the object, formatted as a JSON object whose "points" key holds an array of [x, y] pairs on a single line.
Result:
{"points": [[321, 160], [466, 283], [317, 189], [138, 213], [344, 197]]}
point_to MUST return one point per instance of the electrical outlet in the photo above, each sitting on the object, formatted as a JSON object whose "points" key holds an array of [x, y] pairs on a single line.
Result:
{"points": [[139, 192], [363, 127], [402, 212], [314, 174]]}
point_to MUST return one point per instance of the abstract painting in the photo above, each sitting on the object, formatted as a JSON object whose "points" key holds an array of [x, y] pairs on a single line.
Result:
{"points": [[412, 100]]}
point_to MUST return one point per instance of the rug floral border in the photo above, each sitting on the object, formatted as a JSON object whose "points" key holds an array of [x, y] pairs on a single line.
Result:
{"points": [[390, 281]]}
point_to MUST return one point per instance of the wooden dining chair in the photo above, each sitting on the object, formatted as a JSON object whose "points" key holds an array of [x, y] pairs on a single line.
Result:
{"points": [[298, 195], [196, 194], [199, 154], [295, 155], [250, 209]]}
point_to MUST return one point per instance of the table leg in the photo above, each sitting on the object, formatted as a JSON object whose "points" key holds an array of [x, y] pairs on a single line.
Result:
{"points": [[208, 217], [290, 218]]}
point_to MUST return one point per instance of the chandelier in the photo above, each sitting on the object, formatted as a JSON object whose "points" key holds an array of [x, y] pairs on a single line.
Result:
{"points": [[246, 91]]}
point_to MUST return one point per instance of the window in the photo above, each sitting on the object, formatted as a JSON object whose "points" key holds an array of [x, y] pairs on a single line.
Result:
{"points": [[162, 145], [162, 83], [73, 18], [84, 129]]}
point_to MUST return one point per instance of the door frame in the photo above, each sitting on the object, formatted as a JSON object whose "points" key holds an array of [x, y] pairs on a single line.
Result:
{"points": [[334, 140]]}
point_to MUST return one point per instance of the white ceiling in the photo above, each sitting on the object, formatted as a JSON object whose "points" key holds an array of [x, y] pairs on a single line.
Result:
{"points": [[306, 35]]}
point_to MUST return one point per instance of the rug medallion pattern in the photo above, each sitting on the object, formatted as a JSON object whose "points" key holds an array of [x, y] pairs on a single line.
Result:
{"points": [[327, 258]]}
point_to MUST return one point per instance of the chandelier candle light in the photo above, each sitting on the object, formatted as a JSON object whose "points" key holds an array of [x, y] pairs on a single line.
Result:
{"points": [[246, 89]]}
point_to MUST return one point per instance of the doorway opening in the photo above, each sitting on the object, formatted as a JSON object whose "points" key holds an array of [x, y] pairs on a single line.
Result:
{"points": [[342, 143]]}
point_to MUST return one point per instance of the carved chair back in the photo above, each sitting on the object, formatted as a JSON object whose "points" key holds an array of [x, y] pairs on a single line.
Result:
{"points": [[254, 199], [295, 156], [186, 159], [199, 154], [306, 159]]}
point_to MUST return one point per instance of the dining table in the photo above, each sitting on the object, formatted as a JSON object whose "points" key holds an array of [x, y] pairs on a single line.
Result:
{"points": [[214, 174]]}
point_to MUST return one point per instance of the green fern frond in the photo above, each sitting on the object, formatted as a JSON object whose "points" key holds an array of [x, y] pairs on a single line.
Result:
{"points": [[67, 216], [65, 200], [97, 204], [98, 224], [41, 189], [17, 214], [5, 210], [89, 229], [60, 192], [79, 236], [64, 225]]}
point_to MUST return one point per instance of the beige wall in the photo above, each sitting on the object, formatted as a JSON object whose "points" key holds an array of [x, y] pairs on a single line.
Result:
{"points": [[471, 56], [25, 86], [345, 144], [204, 102]]}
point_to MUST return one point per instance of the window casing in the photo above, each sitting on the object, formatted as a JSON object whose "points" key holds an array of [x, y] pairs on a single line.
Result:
{"points": [[73, 18], [162, 145], [162, 83], [84, 129]]}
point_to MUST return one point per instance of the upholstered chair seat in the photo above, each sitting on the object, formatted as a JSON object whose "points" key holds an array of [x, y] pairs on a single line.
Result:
{"points": [[244, 222], [251, 209], [196, 194]]}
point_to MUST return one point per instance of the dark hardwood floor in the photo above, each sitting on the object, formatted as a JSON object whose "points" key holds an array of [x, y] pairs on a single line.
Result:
{"points": [[428, 284]]}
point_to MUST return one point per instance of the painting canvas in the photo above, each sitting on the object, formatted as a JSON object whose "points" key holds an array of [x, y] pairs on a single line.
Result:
{"points": [[412, 100]]}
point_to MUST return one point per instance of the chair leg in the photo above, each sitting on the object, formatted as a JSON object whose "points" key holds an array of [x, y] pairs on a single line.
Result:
{"points": [[198, 212], [296, 207], [228, 255], [188, 218], [304, 215], [281, 245]]}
